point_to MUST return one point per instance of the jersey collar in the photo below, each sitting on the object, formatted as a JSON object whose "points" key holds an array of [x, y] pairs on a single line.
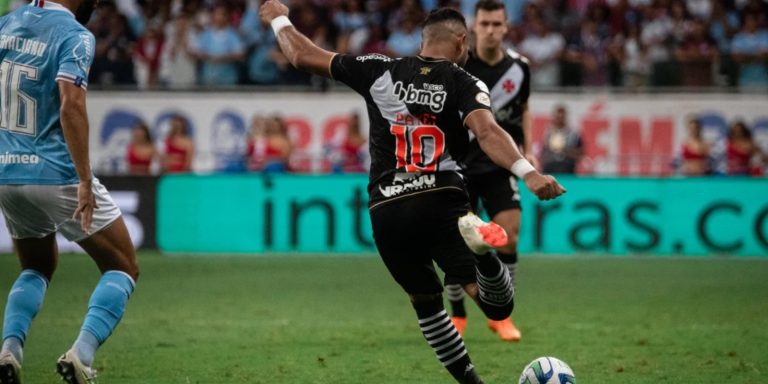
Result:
{"points": [[430, 59], [46, 4]]}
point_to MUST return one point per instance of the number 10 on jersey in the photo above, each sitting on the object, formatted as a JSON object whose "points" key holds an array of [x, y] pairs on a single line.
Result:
{"points": [[419, 148]]}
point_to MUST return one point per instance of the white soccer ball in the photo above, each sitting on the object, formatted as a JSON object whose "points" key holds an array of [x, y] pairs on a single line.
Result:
{"points": [[547, 370]]}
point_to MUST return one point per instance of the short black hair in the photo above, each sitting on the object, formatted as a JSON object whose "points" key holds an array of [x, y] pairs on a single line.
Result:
{"points": [[442, 15], [490, 6]]}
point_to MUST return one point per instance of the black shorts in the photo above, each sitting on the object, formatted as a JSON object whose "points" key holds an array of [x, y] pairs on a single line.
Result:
{"points": [[498, 191], [412, 232]]}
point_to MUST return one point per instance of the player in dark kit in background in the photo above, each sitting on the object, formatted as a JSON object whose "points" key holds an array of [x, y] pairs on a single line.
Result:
{"points": [[418, 108], [508, 76]]}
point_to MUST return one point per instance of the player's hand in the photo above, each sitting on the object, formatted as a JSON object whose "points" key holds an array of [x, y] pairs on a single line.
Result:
{"points": [[86, 203], [272, 9], [545, 187]]}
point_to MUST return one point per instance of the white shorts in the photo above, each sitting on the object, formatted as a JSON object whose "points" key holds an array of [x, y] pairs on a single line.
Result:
{"points": [[36, 211]]}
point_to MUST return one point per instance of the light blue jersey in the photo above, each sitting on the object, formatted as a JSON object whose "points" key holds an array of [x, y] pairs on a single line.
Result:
{"points": [[40, 44]]}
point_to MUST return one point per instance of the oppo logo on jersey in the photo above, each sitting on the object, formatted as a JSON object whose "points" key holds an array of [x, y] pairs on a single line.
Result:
{"points": [[433, 96], [403, 184]]}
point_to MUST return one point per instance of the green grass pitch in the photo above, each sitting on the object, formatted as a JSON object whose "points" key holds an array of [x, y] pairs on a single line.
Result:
{"points": [[313, 319]]}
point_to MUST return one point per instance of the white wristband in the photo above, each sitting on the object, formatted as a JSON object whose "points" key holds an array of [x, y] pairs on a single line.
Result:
{"points": [[279, 23], [521, 168]]}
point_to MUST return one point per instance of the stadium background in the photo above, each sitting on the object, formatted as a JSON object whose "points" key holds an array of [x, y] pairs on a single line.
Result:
{"points": [[695, 313]]}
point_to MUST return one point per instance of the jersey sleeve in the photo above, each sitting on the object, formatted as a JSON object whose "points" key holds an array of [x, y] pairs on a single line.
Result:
{"points": [[75, 58], [472, 94], [358, 72]]}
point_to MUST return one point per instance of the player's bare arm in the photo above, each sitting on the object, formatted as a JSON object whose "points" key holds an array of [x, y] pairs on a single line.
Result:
{"points": [[74, 124], [500, 147], [300, 51], [528, 134]]}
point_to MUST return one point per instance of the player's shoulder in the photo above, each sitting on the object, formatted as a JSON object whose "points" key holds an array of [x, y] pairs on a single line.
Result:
{"points": [[463, 76], [516, 56]]}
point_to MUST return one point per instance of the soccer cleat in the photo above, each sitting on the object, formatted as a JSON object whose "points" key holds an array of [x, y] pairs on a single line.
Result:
{"points": [[480, 236], [10, 369], [505, 329], [73, 371], [460, 323]]}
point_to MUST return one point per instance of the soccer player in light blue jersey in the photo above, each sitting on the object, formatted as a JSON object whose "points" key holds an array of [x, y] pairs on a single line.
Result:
{"points": [[46, 184]]}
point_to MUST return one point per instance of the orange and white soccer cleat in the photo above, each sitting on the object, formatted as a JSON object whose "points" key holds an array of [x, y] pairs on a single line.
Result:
{"points": [[460, 323], [506, 330], [480, 236]]}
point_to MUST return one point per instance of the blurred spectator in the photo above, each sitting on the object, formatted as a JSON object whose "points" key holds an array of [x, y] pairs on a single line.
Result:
{"points": [[695, 152], [723, 25], [178, 67], [405, 39], [179, 147], [112, 60], [562, 147], [375, 42], [697, 56], [261, 46], [628, 50], [750, 50], [141, 151], [220, 49], [543, 48], [352, 25], [269, 148], [147, 55], [350, 155], [589, 52], [657, 37], [741, 151]]}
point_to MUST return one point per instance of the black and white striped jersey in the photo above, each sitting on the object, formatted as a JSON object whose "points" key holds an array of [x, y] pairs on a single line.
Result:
{"points": [[510, 83], [416, 107]]}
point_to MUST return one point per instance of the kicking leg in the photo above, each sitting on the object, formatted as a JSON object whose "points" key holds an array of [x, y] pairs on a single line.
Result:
{"points": [[38, 262], [113, 252]]}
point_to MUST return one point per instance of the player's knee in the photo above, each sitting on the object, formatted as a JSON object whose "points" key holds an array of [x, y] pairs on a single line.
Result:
{"points": [[128, 264], [512, 239]]}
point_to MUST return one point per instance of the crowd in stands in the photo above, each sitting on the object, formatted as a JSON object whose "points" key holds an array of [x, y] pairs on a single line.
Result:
{"points": [[632, 43]]}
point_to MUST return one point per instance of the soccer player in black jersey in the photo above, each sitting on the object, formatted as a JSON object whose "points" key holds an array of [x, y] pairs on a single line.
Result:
{"points": [[507, 75], [418, 109]]}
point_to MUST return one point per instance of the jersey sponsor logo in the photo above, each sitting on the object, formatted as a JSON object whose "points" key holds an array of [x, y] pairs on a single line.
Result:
{"points": [[373, 56], [83, 52], [17, 158], [425, 71], [432, 95], [483, 99], [404, 182]]}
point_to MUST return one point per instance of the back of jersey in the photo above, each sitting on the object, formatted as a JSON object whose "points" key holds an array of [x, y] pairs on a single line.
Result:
{"points": [[40, 44]]}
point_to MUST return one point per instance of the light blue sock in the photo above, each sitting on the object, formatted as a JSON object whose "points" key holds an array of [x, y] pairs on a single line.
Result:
{"points": [[24, 301], [105, 310]]}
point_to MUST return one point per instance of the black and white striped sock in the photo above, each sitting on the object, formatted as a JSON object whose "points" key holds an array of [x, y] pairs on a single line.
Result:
{"points": [[496, 292], [510, 260], [445, 340], [456, 298]]}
